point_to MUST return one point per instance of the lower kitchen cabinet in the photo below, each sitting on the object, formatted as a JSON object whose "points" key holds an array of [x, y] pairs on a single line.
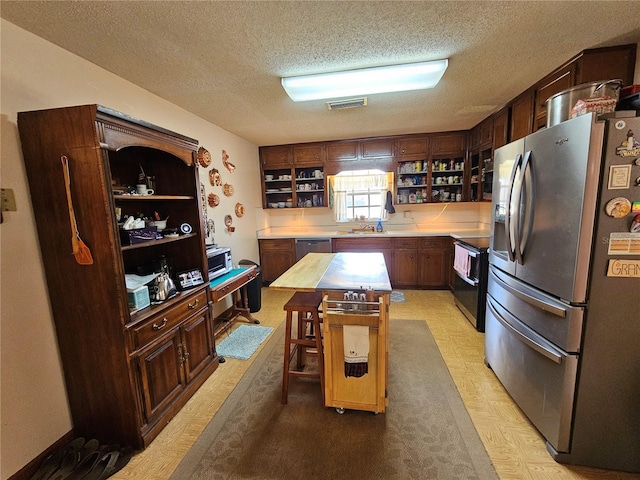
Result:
{"points": [[277, 255], [449, 264], [405, 262], [433, 266]]}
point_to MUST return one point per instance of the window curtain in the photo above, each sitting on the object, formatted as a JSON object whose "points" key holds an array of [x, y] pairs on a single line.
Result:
{"points": [[343, 184]]}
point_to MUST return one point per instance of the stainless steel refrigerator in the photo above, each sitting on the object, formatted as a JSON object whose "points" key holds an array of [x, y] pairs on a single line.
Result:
{"points": [[563, 303]]}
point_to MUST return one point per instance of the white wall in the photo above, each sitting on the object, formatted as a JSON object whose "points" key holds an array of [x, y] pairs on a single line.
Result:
{"points": [[38, 75]]}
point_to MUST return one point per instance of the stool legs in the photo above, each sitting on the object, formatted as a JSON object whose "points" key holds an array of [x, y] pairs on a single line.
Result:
{"points": [[300, 343]]}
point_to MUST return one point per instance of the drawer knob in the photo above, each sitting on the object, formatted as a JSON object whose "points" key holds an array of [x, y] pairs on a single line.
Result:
{"points": [[194, 304], [158, 327]]}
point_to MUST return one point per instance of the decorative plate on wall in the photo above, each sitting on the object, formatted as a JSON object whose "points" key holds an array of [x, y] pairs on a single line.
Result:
{"points": [[239, 210], [204, 157], [214, 178], [214, 200]]}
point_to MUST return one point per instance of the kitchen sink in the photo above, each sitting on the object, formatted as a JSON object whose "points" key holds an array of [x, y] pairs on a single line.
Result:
{"points": [[359, 232]]}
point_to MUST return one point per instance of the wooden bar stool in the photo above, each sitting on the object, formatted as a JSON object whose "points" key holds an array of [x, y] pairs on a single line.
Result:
{"points": [[306, 305]]}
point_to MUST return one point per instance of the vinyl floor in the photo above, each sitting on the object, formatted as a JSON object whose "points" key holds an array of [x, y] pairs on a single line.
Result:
{"points": [[515, 447]]}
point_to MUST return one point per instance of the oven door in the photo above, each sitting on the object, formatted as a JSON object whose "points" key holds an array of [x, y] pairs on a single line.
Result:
{"points": [[465, 295]]}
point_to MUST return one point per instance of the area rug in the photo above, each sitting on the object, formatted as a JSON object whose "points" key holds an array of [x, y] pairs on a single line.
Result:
{"points": [[396, 296], [425, 433], [243, 341]]}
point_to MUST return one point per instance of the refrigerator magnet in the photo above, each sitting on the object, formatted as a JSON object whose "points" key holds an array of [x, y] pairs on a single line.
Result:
{"points": [[619, 177], [618, 207]]}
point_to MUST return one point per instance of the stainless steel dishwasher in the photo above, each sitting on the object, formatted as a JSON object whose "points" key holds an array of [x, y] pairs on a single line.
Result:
{"points": [[312, 245]]}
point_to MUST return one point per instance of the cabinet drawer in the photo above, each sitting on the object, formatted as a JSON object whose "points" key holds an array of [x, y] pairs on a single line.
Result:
{"points": [[277, 244], [360, 244], [168, 319], [433, 242], [406, 243], [224, 289]]}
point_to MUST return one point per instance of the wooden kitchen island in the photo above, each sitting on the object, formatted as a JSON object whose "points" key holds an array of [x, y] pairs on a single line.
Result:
{"points": [[333, 274]]}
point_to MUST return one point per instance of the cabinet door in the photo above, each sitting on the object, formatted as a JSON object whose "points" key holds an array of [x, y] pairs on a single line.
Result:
{"points": [[161, 374], [485, 133], [501, 128], [277, 255], [405, 262], [433, 271], [308, 155], [410, 148], [275, 157], [342, 151], [522, 116], [449, 144], [379, 147], [556, 82], [197, 344]]}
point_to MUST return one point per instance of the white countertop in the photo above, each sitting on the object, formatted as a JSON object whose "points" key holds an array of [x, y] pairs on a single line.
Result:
{"points": [[453, 230]]}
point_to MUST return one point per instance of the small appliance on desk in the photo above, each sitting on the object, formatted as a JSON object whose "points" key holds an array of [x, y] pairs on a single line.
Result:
{"points": [[218, 261]]}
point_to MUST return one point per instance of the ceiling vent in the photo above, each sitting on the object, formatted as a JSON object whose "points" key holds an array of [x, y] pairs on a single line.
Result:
{"points": [[350, 103]]}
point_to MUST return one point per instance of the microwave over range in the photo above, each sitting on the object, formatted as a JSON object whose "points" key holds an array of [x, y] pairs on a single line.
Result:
{"points": [[218, 261]]}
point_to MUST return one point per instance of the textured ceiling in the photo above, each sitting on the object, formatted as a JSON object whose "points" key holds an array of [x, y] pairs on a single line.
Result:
{"points": [[223, 60]]}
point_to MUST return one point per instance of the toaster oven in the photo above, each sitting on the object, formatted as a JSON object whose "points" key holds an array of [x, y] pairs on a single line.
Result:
{"points": [[218, 261]]}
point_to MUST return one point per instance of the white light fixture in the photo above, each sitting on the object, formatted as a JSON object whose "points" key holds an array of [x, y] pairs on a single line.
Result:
{"points": [[366, 81]]}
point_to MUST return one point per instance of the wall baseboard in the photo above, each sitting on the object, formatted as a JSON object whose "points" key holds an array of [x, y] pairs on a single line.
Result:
{"points": [[26, 472]]}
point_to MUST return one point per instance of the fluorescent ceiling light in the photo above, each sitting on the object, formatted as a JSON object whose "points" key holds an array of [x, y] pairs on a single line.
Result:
{"points": [[366, 81]]}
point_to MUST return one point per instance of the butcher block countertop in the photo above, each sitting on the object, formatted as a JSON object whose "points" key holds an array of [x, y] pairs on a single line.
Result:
{"points": [[336, 271], [455, 230]]}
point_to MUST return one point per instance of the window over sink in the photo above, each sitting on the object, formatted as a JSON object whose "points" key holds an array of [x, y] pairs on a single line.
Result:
{"points": [[359, 194]]}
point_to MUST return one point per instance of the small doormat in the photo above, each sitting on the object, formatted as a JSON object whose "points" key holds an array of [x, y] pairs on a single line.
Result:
{"points": [[397, 296], [243, 341]]}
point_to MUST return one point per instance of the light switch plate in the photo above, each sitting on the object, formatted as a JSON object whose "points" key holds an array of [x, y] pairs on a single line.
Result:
{"points": [[8, 200]]}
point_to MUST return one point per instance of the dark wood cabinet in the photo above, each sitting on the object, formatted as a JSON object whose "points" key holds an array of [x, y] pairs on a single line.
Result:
{"points": [[276, 157], [500, 128], [123, 370], [377, 148], [306, 155], [341, 151], [412, 147], [405, 262], [453, 144], [522, 116], [277, 255], [557, 81], [433, 272]]}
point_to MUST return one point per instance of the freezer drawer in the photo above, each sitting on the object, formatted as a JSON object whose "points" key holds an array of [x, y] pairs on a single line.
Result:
{"points": [[540, 378], [560, 323]]}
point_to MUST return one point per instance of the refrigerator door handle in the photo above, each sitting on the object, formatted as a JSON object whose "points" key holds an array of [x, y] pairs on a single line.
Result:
{"points": [[526, 190], [541, 349], [535, 302], [507, 217]]}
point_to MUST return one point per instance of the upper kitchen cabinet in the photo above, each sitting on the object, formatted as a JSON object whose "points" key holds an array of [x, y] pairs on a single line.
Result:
{"points": [[452, 144], [308, 155], [342, 151], [521, 123], [412, 147], [277, 157], [590, 65], [129, 367], [500, 128], [485, 133], [377, 148]]}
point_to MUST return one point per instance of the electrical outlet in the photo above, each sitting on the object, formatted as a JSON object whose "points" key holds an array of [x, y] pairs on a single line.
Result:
{"points": [[407, 214], [8, 200]]}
